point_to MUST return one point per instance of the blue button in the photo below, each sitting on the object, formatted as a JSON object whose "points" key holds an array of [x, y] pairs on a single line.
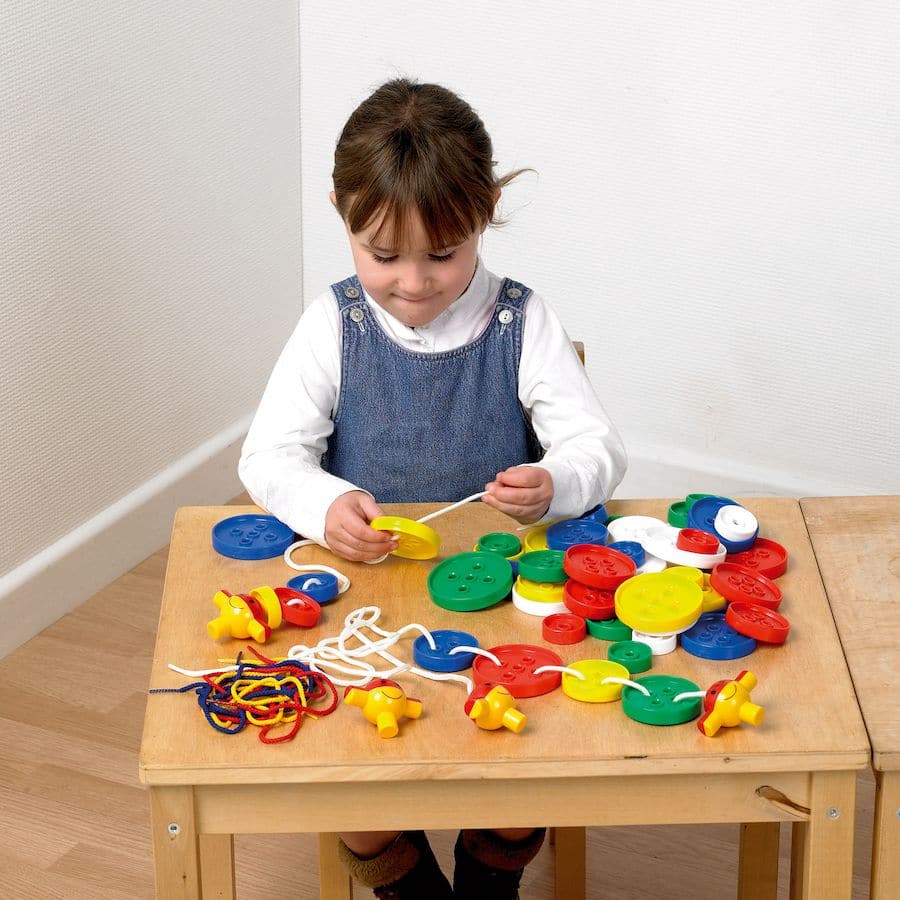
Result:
{"points": [[711, 637], [702, 515], [597, 514], [570, 532], [440, 659], [631, 549], [321, 586], [251, 536]]}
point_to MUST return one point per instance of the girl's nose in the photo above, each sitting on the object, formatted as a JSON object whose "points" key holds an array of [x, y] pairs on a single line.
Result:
{"points": [[413, 279]]}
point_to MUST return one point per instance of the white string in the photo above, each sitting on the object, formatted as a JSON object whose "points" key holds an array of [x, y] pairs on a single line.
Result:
{"points": [[688, 694], [568, 670], [452, 506], [479, 652], [634, 684]]}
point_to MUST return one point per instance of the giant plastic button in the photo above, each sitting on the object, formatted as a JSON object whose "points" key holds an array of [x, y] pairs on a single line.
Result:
{"points": [[767, 557], [660, 707], [588, 602], [414, 539], [251, 536], [270, 601], [536, 539], [659, 603], [516, 669], [542, 565], [635, 656], [321, 586], [677, 514], [608, 629], [539, 591], [565, 534], [563, 628], [598, 567], [736, 582], [298, 609], [697, 541], [501, 542], [663, 542], [712, 599], [470, 581], [632, 549], [713, 638], [591, 688], [631, 528], [440, 659], [703, 515], [598, 514], [758, 622]]}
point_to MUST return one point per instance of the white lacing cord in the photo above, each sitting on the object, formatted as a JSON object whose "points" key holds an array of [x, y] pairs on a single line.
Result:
{"points": [[566, 670], [634, 684]]}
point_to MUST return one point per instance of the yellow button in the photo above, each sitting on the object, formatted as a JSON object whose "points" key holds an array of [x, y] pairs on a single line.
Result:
{"points": [[540, 591], [591, 689], [415, 540], [269, 601], [686, 572], [712, 599], [536, 539], [659, 603]]}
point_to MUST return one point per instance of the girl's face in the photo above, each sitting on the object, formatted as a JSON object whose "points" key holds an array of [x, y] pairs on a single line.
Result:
{"points": [[415, 283]]}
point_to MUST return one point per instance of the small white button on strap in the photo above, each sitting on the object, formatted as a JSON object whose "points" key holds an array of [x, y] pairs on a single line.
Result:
{"points": [[513, 293], [505, 316], [351, 292], [356, 313]]}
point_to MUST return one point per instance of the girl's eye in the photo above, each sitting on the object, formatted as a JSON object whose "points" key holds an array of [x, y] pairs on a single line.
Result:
{"points": [[442, 258], [384, 260]]}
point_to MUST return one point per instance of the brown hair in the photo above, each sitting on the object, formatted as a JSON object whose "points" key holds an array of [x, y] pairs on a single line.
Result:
{"points": [[420, 147]]}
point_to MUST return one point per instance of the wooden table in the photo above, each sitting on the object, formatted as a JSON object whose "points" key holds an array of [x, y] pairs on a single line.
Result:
{"points": [[857, 545], [574, 765]]}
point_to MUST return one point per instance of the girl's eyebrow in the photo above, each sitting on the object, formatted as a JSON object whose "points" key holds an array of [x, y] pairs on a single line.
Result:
{"points": [[390, 251]]}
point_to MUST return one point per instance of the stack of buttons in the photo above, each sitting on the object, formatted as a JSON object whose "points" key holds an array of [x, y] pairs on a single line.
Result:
{"points": [[539, 587], [657, 606], [594, 574], [503, 543]]}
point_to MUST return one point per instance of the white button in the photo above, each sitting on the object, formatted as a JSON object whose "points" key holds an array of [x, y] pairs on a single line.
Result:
{"points": [[513, 293], [734, 523], [505, 316], [356, 313], [352, 293], [659, 644]]}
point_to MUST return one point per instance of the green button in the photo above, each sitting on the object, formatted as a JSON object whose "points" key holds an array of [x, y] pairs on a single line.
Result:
{"points": [[608, 629], [501, 542], [660, 708], [635, 656], [678, 514], [470, 581], [543, 565]]}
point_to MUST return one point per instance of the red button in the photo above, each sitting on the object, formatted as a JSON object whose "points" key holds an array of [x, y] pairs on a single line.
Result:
{"points": [[588, 602], [516, 669], [736, 582], [563, 628], [693, 540], [758, 622], [766, 557], [298, 608], [598, 566]]}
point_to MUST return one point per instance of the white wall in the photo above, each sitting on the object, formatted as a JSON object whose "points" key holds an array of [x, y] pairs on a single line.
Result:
{"points": [[716, 212], [149, 268]]}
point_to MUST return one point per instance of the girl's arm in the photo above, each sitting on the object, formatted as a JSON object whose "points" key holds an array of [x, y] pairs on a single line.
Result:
{"points": [[280, 459], [583, 451]]}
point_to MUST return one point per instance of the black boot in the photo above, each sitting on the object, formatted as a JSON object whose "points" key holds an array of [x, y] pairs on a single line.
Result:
{"points": [[490, 868], [405, 870]]}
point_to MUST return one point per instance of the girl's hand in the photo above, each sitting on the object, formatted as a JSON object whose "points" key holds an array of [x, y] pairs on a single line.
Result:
{"points": [[347, 530], [523, 492]]}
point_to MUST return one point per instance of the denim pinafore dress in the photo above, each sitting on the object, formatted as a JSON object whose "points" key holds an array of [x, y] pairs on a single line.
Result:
{"points": [[428, 427]]}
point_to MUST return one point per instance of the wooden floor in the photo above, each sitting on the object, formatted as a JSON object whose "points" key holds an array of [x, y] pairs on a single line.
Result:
{"points": [[74, 817]]}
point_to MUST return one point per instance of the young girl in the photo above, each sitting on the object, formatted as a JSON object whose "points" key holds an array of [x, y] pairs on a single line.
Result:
{"points": [[424, 377]]}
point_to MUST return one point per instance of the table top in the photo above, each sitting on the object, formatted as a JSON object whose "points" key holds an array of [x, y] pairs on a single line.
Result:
{"points": [[812, 720], [857, 545]]}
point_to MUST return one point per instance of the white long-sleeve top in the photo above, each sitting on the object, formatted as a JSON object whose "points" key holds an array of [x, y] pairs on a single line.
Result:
{"points": [[280, 460]]}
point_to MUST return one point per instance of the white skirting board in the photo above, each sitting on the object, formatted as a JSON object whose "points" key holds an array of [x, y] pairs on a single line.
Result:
{"points": [[62, 576]]}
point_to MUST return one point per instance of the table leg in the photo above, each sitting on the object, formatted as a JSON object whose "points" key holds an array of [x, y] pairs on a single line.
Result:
{"points": [[217, 866], [822, 847], [334, 882], [886, 837], [176, 853], [758, 861], [570, 873]]}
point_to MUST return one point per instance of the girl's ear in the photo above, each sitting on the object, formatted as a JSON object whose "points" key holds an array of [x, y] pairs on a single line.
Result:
{"points": [[333, 199]]}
